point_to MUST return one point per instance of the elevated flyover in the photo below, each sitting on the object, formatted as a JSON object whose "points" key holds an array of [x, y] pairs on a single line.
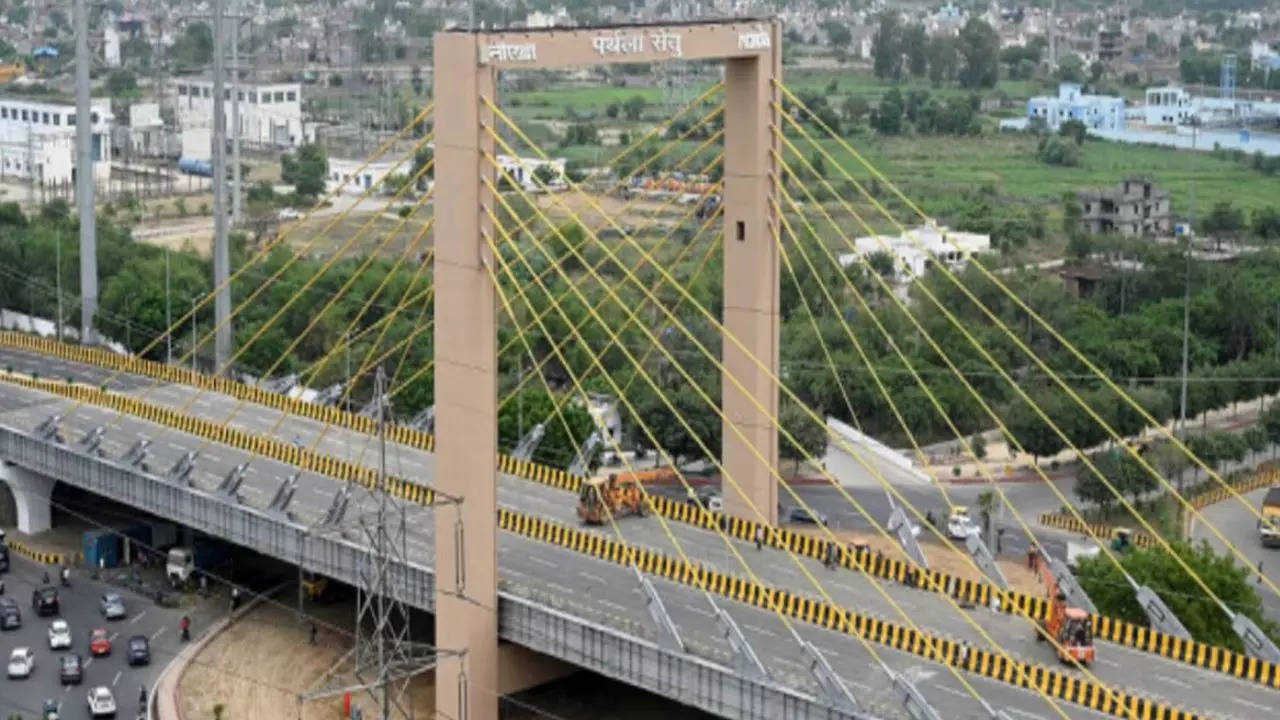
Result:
{"points": [[602, 591]]}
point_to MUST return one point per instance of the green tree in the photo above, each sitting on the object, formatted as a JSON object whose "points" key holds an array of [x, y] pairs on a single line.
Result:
{"points": [[1223, 221], [305, 169], [1053, 150], [809, 435], [838, 34], [887, 118], [915, 44], [1075, 130], [1266, 223], [194, 48], [943, 59], [1071, 68], [1155, 568], [634, 107], [532, 406], [853, 109], [980, 52], [886, 47]]}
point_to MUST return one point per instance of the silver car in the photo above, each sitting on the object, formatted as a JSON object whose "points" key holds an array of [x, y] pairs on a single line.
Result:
{"points": [[112, 606]]}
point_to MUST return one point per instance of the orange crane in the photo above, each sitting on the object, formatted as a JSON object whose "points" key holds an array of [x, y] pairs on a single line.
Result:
{"points": [[1070, 627], [10, 71]]}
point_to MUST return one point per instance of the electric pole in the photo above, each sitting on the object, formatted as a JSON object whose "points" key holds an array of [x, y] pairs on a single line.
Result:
{"points": [[235, 114], [221, 251], [1186, 296], [84, 181]]}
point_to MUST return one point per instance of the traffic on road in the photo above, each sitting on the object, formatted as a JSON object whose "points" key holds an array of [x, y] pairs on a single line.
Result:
{"points": [[81, 649]]}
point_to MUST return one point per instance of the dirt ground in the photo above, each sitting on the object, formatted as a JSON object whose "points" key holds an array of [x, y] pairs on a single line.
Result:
{"points": [[259, 666], [942, 558]]}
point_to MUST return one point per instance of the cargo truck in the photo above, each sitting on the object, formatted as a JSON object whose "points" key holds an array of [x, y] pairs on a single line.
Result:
{"points": [[183, 561], [1269, 524]]}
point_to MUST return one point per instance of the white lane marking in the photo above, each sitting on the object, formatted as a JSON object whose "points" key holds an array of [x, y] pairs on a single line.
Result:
{"points": [[952, 691], [1109, 663], [1024, 713], [137, 617], [540, 561], [1254, 705], [117, 678], [177, 447], [699, 611], [1172, 681], [595, 578], [87, 663], [562, 588], [211, 456], [112, 637], [762, 631], [158, 633]]}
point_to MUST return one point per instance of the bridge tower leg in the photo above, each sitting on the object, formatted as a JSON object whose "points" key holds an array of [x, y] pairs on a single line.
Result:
{"points": [[466, 387], [31, 493], [751, 281]]}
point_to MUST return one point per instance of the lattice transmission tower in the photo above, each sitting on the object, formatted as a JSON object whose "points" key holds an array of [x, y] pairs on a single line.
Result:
{"points": [[385, 658]]}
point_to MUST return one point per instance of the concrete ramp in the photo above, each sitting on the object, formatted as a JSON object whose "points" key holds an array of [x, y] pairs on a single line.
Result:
{"points": [[883, 460]]}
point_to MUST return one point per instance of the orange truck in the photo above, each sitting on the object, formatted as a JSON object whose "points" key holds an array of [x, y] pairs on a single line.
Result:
{"points": [[1070, 627], [613, 496]]}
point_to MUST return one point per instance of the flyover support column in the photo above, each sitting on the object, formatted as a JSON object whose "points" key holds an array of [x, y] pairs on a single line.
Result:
{"points": [[751, 283], [31, 492], [466, 387]]}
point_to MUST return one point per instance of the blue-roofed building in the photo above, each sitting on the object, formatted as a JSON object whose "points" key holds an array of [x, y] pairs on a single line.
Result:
{"points": [[1101, 112]]}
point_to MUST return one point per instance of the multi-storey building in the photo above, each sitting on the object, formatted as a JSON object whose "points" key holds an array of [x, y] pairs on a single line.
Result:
{"points": [[1102, 112], [270, 114], [38, 141], [1135, 207]]}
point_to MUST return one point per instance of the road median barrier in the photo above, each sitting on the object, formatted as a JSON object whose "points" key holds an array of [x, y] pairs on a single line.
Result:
{"points": [[965, 591], [40, 556]]}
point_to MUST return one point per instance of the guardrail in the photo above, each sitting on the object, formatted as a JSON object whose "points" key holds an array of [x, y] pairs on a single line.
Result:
{"points": [[684, 678], [40, 556], [864, 560]]}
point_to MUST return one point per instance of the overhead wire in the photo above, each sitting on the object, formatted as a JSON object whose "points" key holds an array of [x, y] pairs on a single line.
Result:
{"points": [[711, 456]]}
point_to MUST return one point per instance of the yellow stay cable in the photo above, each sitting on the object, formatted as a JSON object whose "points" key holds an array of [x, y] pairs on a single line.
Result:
{"points": [[711, 457], [1093, 414], [732, 547], [197, 392], [262, 253], [653, 216]]}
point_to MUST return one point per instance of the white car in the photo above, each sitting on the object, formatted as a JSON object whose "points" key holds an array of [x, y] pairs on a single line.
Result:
{"points": [[959, 524], [21, 662], [59, 635], [288, 214], [101, 702]]}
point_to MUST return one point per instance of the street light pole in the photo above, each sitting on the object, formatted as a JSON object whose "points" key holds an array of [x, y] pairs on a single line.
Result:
{"points": [[1186, 297], [58, 284], [85, 181], [168, 313]]}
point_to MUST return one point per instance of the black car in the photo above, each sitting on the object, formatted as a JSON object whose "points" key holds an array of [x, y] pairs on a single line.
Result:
{"points": [[10, 615], [45, 600], [4, 558], [71, 669], [139, 650], [800, 516]]}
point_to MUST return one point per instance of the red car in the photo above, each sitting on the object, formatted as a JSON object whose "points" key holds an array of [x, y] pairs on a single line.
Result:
{"points": [[99, 642]]}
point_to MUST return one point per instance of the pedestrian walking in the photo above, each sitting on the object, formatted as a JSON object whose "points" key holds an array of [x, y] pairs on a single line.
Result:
{"points": [[759, 538], [928, 516], [313, 633], [235, 599], [1259, 572]]}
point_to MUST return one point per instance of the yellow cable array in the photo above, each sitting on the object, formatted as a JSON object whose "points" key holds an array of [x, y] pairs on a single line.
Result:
{"points": [[699, 580], [1071, 392], [725, 475], [263, 253]]}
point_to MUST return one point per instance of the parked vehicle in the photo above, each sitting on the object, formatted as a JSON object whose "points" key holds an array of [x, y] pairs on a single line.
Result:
{"points": [[1269, 523], [10, 615], [800, 516], [614, 496]]}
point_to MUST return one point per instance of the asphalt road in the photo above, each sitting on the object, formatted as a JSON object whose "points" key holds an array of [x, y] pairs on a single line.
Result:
{"points": [[1240, 527], [79, 607], [1121, 666]]}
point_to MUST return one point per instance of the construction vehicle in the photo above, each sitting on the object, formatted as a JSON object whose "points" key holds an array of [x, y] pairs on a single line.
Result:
{"points": [[1121, 539], [11, 71], [1069, 627], [1269, 523], [620, 496]]}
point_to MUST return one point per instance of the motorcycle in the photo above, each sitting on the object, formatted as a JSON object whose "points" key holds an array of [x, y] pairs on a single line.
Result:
{"points": [[50, 711]]}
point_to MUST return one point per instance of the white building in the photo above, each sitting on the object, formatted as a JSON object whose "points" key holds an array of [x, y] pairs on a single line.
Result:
{"points": [[38, 141], [1167, 106], [144, 135], [1173, 106], [917, 250], [343, 174], [270, 114], [1099, 112]]}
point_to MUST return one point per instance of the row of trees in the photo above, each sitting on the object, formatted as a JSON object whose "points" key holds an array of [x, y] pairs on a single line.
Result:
{"points": [[972, 57]]}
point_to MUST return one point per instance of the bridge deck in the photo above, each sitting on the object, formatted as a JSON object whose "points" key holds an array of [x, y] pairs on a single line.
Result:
{"points": [[1125, 667]]}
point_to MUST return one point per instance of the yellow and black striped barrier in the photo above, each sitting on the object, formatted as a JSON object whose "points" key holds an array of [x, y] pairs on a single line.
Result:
{"points": [[40, 556], [1054, 683], [1102, 530], [862, 560], [1265, 477]]}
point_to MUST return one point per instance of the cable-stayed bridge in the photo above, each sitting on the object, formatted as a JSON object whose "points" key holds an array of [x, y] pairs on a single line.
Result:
{"points": [[720, 610]]}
